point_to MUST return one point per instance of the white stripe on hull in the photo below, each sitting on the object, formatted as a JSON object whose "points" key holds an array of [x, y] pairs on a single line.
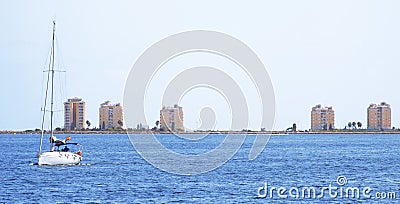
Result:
{"points": [[59, 158]]}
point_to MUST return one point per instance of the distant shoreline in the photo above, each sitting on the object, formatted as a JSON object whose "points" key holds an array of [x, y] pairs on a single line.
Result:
{"points": [[206, 132]]}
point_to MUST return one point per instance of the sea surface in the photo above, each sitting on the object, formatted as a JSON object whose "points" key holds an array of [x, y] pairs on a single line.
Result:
{"points": [[112, 171]]}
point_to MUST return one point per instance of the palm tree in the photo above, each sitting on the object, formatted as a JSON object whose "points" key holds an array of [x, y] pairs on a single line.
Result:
{"points": [[120, 123], [349, 125], [359, 124], [156, 127], [324, 127], [354, 125], [88, 123]]}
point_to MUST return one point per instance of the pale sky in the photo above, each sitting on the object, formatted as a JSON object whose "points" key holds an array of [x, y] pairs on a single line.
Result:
{"points": [[338, 53]]}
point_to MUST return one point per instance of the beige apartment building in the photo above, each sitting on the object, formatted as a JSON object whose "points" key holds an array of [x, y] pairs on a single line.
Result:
{"points": [[322, 118], [74, 114], [379, 116], [171, 118], [110, 116]]}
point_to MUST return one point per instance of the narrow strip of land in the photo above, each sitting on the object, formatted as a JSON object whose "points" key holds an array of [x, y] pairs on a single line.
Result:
{"points": [[123, 131]]}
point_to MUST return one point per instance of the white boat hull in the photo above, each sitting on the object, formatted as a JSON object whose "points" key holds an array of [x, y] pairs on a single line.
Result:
{"points": [[59, 158]]}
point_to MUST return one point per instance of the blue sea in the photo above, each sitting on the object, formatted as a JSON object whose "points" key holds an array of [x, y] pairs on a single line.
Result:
{"points": [[112, 171]]}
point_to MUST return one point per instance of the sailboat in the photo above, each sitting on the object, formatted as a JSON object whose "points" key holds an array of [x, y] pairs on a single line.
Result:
{"points": [[59, 153]]}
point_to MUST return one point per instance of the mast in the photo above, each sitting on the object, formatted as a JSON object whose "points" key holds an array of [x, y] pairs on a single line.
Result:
{"points": [[52, 82], [50, 71]]}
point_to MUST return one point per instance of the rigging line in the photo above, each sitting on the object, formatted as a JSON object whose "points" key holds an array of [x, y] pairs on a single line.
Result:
{"points": [[45, 99], [52, 81], [43, 76], [61, 98], [65, 91], [41, 90], [53, 111], [61, 68], [63, 83], [60, 58], [60, 63], [54, 70]]}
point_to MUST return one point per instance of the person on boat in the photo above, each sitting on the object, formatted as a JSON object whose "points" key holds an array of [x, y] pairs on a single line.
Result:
{"points": [[65, 149]]}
